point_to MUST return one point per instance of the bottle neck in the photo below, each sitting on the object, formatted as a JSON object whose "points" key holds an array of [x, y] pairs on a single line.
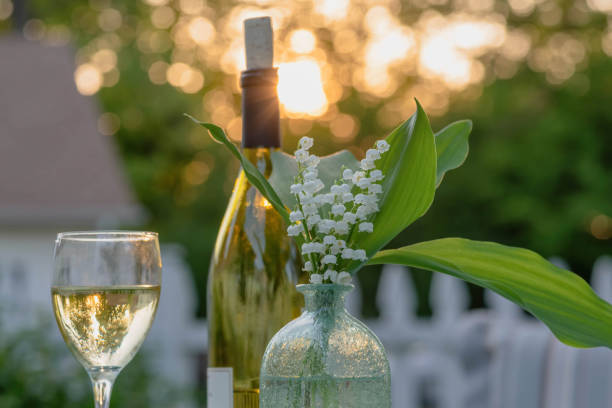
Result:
{"points": [[260, 108], [324, 296], [261, 158]]}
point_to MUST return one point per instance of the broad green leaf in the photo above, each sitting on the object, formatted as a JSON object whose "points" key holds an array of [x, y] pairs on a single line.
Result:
{"points": [[284, 170], [409, 184], [559, 298], [252, 173], [452, 147]]}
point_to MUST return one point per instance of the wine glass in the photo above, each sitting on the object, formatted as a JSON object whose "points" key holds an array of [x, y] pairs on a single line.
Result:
{"points": [[105, 291]]}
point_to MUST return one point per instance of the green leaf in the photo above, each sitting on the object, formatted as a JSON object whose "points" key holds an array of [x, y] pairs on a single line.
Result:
{"points": [[452, 147], [559, 298], [284, 170], [252, 173], [409, 184]]}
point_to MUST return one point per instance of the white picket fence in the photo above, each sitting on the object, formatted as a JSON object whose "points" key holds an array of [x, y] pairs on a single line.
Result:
{"points": [[458, 358], [493, 358]]}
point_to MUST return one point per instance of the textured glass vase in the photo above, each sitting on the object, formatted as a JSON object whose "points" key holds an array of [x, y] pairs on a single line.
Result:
{"points": [[325, 358]]}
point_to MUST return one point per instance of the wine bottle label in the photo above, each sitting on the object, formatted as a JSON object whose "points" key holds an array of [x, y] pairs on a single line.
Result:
{"points": [[220, 387]]}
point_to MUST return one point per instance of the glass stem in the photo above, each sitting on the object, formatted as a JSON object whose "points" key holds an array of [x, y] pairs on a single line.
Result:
{"points": [[102, 382]]}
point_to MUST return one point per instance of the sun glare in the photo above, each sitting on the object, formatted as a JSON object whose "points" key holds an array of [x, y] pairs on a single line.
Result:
{"points": [[300, 88]]}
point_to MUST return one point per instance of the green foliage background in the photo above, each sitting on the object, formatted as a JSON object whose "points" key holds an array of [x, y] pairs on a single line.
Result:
{"points": [[37, 370], [539, 169]]}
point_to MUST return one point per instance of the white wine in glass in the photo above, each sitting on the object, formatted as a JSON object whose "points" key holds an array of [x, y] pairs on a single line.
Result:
{"points": [[106, 288]]}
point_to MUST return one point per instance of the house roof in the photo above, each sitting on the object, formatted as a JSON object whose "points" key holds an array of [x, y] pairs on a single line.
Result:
{"points": [[55, 167]]}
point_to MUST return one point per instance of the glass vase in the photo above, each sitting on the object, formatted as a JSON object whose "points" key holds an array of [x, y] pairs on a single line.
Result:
{"points": [[325, 358]]}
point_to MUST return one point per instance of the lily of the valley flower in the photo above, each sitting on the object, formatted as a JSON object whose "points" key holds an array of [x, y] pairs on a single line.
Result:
{"points": [[328, 221]]}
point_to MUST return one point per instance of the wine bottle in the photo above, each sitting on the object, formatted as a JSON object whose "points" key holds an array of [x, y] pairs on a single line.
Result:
{"points": [[255, 266]]}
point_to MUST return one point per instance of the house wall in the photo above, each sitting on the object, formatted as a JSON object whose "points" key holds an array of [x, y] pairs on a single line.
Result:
{"points": [[25, 276]]}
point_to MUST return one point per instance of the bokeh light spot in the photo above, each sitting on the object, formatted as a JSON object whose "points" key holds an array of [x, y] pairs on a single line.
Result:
{"points": [[201, 31], [601, 227], [300, 88], [234, 129], [196, 172], [104, 59], [57, 35], [194, 83], [606, 43], [302, 41], [157, 72], [111, 78], [332, 9], [156, 2], [88, 79], [605, 6], [300, 126], [522, 7], [34, 30], [108, 123], [191, 6], [344, 127], [163, 17], [183, 76], [110, 19], [6, 9]]}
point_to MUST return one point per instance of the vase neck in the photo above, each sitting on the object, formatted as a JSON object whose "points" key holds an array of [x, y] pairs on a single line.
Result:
{"points": [[329, 296]]}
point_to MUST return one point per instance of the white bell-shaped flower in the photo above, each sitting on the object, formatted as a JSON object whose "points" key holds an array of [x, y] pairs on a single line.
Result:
{"points": [[344, 278], [316, 278]]}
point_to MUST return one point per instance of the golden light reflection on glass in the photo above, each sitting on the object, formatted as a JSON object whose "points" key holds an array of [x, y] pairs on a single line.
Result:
{"points": [[105, 326], [300, 88]]}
